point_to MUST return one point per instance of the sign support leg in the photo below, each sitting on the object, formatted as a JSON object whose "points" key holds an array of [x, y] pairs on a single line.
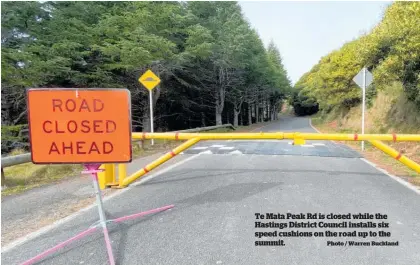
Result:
{"points": [[93, 170], [102, 218]]}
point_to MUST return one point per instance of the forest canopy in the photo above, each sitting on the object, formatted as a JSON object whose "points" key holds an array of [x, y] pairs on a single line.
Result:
{"points": [[213, 65]]}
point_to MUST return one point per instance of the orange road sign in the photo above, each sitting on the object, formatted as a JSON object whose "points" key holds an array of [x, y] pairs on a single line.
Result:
{"points": [[74, 126]]}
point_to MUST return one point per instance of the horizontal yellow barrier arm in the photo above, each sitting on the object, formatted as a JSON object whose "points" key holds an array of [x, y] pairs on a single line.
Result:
{"points": [[159, 161], [279, 136], [397, 155]]}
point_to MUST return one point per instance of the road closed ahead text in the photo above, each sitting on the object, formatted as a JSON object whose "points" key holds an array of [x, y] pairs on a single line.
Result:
{"points": [[69, 126]]}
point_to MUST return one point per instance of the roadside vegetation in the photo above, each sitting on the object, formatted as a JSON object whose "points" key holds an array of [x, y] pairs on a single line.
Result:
{"points": [[391, 51], [214, 67], [403, 120]]}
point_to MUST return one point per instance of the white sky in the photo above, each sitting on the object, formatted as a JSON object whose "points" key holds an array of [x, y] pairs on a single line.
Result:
{"points": [[306, 31]]}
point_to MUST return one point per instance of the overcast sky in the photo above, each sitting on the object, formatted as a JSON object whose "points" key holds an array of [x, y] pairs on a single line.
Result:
{"points": [[306, 31]]}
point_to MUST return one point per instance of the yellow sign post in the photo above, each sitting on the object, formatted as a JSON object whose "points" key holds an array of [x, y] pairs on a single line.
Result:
{"points": [[149, 80]]}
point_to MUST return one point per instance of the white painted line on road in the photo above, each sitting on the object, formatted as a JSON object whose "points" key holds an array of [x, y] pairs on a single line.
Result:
{"points": [[318, 144], [307, 145], [310, 124], [208, 152], [199, 148], [226, 148], [236, 152], [47, 228], [217, 145], [399, 180]]}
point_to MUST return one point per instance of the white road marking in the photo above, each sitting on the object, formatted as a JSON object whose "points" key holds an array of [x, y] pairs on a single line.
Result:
{"points": [[318, 144], [217, 145], [47, 228], [236, 152], [308, 145], [399, 180], [310, 124], [199, 148], [227, 148], [208, 152]]}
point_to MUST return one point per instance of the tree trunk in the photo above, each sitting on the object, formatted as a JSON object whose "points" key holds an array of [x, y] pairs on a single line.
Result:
{"points": [[203, 119], [249, 114], [263, 111], [267, 109], [272, 113], [235, 117], [219, 106], [146, 119], [257, 115], [218, 116], [276, 112]]}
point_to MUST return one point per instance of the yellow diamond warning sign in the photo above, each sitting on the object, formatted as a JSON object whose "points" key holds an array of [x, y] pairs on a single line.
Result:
{"points": [[149, 80]]}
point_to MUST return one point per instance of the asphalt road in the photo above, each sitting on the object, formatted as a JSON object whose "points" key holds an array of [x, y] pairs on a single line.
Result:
{"points": [[32, 210], [218, 190]]}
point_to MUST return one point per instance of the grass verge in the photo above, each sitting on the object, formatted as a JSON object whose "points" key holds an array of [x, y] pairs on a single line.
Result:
{"points": [[371, 153], [27, 176]]}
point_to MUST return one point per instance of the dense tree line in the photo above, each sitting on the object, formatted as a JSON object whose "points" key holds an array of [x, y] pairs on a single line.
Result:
{"points": [[213, 66], [391, 51]]}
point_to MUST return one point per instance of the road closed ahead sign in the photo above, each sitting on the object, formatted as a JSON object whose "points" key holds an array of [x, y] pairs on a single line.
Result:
{"points": [[79, 126]]}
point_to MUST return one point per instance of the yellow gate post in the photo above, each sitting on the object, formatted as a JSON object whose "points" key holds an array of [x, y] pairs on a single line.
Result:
{"points": [[122, 173], [298, 140], [107, 176]]}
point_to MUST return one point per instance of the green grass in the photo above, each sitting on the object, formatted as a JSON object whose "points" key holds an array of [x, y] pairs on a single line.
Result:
{"points": [[27, 176]]}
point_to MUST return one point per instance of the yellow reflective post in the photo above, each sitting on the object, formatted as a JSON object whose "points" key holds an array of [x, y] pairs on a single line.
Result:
{"points": [[122, 173], [397, 155], [298, 140], [110, 175], [159, 161], [106, 178]]}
